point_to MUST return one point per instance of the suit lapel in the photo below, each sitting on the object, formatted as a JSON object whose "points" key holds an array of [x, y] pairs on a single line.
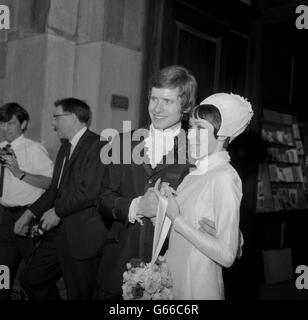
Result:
{"points": [[146, 163], [147, 168], [76, 151], [59, 164], [178, 154]]}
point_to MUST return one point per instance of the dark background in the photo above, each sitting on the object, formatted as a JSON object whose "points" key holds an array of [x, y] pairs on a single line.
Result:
{"points": [[256, 51]]}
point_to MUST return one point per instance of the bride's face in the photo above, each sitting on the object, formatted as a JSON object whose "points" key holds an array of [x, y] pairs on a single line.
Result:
{"points": [[202, 141]]}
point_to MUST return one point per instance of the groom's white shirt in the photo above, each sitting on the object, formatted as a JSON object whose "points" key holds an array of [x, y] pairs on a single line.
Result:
{"points": [[157, 144]]}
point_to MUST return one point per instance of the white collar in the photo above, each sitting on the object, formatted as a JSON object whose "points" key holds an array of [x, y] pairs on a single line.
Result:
{"points": [[169, 132], [77, 137], [15, 143], [160, 142], [211, 161]]}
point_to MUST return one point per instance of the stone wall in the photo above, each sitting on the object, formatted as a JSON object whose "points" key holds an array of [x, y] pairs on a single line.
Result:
{"points": [[89, 49]]}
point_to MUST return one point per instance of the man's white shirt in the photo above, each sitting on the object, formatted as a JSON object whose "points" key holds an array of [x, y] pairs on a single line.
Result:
{"points": [[76, 139], [33, 158], [158, 144]]}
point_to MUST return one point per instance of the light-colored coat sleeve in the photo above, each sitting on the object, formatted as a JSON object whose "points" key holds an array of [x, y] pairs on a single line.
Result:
{"points": [[222, 248]]}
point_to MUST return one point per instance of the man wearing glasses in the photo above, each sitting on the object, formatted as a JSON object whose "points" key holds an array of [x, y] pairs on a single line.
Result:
{"points": [[74, 232], [26, 171]]}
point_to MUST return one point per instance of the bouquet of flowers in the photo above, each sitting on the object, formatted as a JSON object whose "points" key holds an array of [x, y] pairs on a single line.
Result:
{"points": [[147, 281]]}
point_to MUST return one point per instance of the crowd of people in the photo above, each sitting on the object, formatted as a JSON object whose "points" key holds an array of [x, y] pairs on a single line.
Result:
{"points": [[91, 217]]}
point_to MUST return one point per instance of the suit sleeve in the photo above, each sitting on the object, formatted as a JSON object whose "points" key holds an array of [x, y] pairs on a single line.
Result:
{"points": [[112, 205], [85, 193], [223, 247], [46, 200]]}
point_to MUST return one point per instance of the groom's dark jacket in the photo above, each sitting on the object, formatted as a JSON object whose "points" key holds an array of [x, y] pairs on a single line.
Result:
{"points": [[126, 182]]}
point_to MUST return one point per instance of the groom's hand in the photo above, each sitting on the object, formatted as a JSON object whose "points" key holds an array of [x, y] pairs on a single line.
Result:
{"points": [[148, 204]]}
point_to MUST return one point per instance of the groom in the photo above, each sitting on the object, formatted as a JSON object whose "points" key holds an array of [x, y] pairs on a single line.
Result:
{"points": [[128, 198]]}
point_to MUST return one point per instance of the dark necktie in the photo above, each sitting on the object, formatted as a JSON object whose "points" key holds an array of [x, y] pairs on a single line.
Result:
{"points": [[67, 155], [67, 150], [8, 146]]}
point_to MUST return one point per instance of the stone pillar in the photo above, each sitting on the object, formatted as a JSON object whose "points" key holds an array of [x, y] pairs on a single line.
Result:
{"points": [[90, 49], [109, 59], [22, 59]]}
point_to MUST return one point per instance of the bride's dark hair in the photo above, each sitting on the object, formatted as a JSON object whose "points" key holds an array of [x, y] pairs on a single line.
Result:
{"points": [[209, 113]]}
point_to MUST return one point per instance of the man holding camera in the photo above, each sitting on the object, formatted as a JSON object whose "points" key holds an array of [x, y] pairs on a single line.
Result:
{"points": [[25, 173]]}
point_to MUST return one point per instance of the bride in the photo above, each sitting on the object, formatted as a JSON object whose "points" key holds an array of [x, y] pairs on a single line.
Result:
{"points": [[212, 192]]}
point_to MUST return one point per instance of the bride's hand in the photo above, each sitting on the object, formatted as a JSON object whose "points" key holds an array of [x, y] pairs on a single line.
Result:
{"points": [[173, 209], [164, 188], [161, 187]]}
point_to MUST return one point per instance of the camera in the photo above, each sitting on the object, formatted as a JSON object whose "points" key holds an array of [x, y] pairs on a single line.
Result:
{"points": [[35, 229], [6, 151]]}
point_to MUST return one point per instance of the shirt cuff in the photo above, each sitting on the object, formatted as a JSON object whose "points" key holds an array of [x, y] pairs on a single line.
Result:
{"points": [[133, 210]]}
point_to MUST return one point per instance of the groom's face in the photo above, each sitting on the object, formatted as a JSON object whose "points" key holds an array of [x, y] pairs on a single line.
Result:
{"points": [[165, 107]]}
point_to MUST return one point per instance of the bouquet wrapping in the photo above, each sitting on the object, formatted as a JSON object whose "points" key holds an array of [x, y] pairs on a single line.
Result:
{"points": [[151, 281]]}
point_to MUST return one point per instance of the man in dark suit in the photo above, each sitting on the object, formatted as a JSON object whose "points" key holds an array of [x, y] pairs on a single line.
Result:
{"points": [[128, 197], [74, 232]]}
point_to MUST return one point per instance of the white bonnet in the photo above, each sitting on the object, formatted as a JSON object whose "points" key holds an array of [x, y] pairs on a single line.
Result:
{"points": [[236, 113]]}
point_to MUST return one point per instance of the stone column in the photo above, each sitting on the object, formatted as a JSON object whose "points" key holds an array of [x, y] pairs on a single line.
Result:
{"points": [[89, 49], [109, 59]]}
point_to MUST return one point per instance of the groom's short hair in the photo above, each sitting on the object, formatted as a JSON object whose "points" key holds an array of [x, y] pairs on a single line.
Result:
{"points": [[173, 77]]}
